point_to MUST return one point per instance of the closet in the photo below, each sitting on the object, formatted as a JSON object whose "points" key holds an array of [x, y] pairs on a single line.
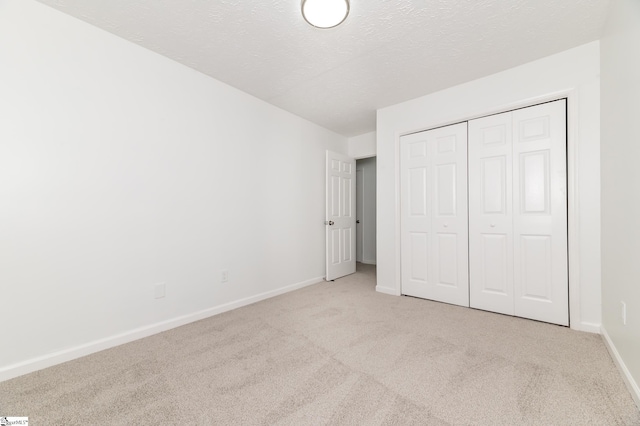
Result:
{"points": [[484, 213]]}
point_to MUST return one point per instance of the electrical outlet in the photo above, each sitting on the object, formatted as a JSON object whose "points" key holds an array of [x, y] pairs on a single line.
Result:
{"points": [[624, 313], [224, 276], [159, 290]]}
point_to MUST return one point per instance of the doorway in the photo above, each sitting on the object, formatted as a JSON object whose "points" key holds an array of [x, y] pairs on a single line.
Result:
{"points": [[366, 211]]}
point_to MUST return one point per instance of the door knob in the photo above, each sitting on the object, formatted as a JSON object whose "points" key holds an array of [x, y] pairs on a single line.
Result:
{"points": [[330, 222], [357, 220]]}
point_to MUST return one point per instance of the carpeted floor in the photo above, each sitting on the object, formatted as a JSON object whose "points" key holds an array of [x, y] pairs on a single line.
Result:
{"points": [[337, 353]]}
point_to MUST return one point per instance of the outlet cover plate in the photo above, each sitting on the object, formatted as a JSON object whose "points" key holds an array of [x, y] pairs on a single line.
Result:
{"points": [[159, 290]]}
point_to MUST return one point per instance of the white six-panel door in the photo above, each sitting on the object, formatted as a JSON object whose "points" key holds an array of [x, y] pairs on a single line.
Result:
{"points": [[434, 215], [541, 280], [518, 213], [491, 214], [340, 216]]}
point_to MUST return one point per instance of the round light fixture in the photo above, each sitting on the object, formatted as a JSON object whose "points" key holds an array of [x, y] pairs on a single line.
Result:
{"points": [[325, 13]]}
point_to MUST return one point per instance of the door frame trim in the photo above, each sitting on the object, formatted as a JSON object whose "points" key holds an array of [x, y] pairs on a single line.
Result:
{"points": [[573, 199]]}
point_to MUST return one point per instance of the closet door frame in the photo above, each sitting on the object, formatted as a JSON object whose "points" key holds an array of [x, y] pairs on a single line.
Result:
{"points": [[573, 190]]}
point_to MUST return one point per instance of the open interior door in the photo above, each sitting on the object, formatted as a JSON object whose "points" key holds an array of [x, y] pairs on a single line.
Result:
{"points": [[340, 219]]}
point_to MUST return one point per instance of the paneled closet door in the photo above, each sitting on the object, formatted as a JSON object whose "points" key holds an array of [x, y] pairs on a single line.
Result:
{"points": [[541, 279], [434, 234], [491, 214], [518, 213]]}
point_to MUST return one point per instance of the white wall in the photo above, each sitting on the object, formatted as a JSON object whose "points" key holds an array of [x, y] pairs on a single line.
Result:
{"points": [[368, 167], [575, 73], [121, 169], [620, 152], [362, 146]]}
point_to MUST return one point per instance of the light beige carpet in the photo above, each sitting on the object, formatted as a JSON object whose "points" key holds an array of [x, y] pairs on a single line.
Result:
{"points": [[337, 353]]}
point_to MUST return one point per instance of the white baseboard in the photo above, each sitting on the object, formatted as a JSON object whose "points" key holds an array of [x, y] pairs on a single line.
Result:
{"points": [[368, 262], [387, 290], [633, 387], [58, 357], [589, 327]]}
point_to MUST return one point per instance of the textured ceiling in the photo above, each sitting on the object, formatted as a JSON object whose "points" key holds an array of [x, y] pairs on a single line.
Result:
{"points": [[387, 51]]}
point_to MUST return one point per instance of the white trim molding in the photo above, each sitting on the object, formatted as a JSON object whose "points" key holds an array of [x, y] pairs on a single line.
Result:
{"points": [[633, 387], [388, 290], [58, 357], [588, 327]]}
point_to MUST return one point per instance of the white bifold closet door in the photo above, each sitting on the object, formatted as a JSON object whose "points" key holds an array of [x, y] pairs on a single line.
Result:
{"points": [[434, 228], [518, 213]]}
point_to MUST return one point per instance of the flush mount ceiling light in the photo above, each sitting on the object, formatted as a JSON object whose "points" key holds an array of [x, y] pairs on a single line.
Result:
{"points": [[325, 13]]}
